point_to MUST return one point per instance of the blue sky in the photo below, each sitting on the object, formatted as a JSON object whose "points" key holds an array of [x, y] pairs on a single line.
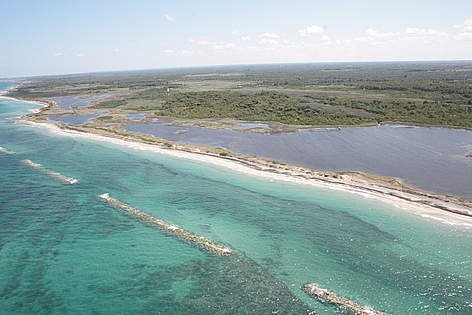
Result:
{"points": [[49, 37]]}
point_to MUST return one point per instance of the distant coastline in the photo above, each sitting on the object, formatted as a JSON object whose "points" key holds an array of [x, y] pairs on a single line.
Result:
{"points": [[456, 211], [445, 208]]}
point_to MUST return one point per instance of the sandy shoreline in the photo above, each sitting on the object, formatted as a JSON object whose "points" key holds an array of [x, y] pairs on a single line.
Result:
{"points": [[445, 209], [415, 205]]}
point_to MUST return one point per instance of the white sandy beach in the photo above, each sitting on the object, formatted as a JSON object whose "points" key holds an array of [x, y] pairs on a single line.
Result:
{"points": [[425, 211]]}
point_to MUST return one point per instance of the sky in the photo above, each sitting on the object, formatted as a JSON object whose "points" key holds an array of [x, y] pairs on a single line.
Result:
{"points": [[56, 36]]}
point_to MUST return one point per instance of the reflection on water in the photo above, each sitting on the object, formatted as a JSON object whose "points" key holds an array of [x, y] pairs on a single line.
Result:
{"points": [[252, 125], [136, 116], [76, 101], [430, 158], [77, 119]]}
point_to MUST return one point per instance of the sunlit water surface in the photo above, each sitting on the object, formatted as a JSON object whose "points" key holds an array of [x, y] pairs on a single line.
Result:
{"points": [[64, 251]]}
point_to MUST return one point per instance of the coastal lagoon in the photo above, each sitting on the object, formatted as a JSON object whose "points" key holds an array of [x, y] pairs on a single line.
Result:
{"points": [[74, 101], [433, 159], [76, 120], [64, 251]]}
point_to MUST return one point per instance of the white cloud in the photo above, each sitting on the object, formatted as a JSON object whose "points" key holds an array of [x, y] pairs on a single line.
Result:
{"points": [[466, 26], [364, 39], [465, 30], [58, 54], [413, 42], [267, 41], [187, 52], [463, 35], [224, 46], [269, 35], [410, 33], [423, 31], [310, 30], [169, 18], [378, 34]]}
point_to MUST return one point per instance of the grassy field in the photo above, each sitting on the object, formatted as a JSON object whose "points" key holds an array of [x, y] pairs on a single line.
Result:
{"points": [[438, 93]]}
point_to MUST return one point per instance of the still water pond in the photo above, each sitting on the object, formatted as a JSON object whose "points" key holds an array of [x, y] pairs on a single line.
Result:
{"points": [[429, 158]]}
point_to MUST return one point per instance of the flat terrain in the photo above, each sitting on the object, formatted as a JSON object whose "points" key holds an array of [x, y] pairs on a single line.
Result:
{"points": [[438, 93]]}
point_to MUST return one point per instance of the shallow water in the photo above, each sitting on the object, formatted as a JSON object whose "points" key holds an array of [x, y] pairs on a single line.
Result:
{"points": [[4, 85], [430, 158], [64, 251], [252, 125], [136, 116], [74, 101]]}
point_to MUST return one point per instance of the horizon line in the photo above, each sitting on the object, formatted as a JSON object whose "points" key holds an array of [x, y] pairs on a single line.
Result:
{"points": [[233, 65]]}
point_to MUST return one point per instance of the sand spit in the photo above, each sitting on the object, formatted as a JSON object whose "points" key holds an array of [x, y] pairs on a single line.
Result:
{"points": [[450, 209], [5, 151], [56, 175], [439, 208], [201, 241], [342, 303]]}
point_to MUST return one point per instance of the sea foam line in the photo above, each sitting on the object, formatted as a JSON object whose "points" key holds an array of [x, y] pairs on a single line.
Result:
{"points": [[5, 151], [445, 221], [56, 175], [201, 241]]}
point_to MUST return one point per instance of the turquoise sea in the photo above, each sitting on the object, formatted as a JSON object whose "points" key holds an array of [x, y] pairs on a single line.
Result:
{"points": [[64, 251]]}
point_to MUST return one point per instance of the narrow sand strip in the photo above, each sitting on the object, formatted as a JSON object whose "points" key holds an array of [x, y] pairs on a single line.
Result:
{"points": [[56, 175], [201, 241], [417, 208]]}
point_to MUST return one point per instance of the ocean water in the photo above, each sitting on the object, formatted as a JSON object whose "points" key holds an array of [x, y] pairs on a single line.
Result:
{"points": [[429, 158], [64, 251], [6, 84]]}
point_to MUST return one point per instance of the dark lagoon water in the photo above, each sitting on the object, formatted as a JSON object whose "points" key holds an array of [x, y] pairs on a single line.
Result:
{"points": [[430, 158], [77, 120], [75, 101], [62, 251]]}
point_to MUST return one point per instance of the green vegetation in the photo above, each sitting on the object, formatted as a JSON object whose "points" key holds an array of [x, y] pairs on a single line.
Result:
{"points": [[263, 106], [311, 94]]}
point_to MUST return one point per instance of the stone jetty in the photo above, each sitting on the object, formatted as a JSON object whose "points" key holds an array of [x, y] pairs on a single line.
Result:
{"points": [[180, 233], [5, 151], [56, 175], [343, 303]]}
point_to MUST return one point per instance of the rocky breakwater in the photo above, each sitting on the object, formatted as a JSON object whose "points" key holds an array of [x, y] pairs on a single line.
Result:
{"points": [[343, 303], [5, 151], [180, 233], [55, 175]]}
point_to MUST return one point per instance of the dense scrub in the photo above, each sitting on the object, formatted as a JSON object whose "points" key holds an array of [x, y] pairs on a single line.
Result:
{"points": [[434, 93]]}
